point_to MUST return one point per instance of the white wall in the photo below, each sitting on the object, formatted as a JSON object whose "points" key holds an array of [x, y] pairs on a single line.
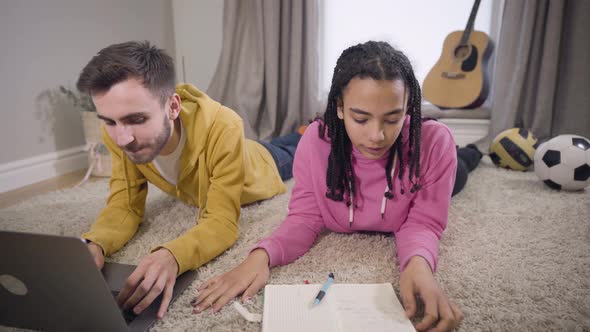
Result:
{"points": [[198, 32], [45, 44], [417, 27]]}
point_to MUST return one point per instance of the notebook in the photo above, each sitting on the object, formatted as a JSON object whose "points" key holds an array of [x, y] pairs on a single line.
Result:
{"points": [[345, 308]]}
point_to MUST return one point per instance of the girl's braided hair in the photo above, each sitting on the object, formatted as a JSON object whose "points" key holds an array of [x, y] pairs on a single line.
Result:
{"points": [[379, 61]]}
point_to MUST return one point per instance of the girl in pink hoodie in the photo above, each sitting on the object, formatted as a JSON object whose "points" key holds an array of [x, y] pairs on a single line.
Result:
{"points": [[371, 164]]}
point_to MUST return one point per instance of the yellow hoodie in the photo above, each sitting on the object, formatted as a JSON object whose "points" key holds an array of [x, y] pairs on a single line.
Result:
{"points": [[220, 170]]}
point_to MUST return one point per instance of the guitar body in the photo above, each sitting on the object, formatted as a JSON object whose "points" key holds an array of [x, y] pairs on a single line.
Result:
{"points": [[459, 77]]}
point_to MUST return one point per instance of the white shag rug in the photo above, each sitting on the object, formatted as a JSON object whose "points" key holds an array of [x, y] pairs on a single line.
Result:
{"points": [[515, 255]]}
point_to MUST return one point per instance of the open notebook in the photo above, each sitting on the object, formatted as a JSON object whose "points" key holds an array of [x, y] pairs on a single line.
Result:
{"points": [[346, 307]]}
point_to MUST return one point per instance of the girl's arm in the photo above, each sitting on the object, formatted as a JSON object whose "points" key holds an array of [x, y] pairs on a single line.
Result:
{"points": [[427, 218], [299, 230], [417, 239], [292, 239]]}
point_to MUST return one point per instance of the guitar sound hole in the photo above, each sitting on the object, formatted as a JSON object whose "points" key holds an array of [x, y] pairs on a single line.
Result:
{"points": [[462, 52]]}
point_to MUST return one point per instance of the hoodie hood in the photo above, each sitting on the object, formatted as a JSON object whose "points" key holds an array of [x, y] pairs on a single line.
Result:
{"points": [[193, 101]]}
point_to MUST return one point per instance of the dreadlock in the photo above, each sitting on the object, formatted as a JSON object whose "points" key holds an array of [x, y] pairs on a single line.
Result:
{"points": [[379, 61]]}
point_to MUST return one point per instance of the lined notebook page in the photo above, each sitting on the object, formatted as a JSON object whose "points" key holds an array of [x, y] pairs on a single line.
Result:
{"points": [[346, 307]]}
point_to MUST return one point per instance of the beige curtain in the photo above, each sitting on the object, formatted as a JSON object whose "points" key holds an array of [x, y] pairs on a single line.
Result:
{"points": [[268, 68], [542, 74]]}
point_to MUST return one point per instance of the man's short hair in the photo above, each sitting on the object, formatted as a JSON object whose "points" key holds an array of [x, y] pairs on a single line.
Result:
{"points": [[139, 60]]}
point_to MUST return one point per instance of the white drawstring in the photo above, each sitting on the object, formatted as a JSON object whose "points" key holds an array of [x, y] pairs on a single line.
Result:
{"points": [[384, 201], [350, 209]]}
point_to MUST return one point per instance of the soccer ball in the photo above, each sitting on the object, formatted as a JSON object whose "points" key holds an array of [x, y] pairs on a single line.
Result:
{"points": [[513, 149], [563, 162]]}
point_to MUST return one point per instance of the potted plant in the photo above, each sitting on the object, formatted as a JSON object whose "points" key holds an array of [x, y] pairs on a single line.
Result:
{"points": [[99, 159]]}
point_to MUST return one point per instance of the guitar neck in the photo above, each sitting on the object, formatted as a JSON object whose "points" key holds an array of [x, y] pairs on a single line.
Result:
{"points": [[470, 23]]}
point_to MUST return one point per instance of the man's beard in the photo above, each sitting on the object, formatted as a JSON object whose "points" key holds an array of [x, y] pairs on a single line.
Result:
{"points": [[156, 146]]}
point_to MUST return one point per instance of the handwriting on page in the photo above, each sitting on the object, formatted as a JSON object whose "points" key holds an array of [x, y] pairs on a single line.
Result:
{"points": [[369, 308]]}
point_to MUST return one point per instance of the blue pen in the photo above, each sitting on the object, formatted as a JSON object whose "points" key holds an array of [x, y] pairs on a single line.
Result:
{"points": [[324, 289]]}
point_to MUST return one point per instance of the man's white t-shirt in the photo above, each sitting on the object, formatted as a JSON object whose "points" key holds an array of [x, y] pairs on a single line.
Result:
{"points": [[169, 165]]}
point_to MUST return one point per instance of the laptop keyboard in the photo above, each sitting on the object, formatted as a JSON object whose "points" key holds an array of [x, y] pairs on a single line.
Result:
{"points": [[128, 315]]}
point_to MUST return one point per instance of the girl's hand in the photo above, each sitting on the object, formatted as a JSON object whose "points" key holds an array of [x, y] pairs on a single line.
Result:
{"points": [[440, 314], [247, 278]]}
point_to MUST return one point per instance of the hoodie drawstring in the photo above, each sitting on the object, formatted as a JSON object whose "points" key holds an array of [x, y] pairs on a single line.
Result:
{"points": [[350, 208], [385, 196], [387, 189]]}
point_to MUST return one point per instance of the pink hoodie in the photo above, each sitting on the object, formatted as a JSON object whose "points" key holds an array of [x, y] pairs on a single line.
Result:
{"points": [[416, 219]]}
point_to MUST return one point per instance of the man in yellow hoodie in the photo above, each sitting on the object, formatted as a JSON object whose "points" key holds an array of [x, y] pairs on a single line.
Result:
{"points": [[186, 144]]}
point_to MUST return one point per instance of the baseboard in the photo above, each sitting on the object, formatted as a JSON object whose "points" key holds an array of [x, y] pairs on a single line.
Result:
{"points": [[24, 172], [467, 131], [17, 174]]}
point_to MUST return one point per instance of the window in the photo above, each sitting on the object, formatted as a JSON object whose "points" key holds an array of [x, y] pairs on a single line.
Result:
{"points": [[417, 27]]}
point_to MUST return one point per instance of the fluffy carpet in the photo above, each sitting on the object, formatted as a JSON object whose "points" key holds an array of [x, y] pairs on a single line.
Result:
{"points": [[515, 255]]}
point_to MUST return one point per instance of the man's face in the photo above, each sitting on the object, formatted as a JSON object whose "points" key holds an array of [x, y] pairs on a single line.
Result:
{"points": [[373, 113], [135, 120]]}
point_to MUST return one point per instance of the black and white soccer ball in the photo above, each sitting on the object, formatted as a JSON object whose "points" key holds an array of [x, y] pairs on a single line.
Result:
{"points": [[563, 162]]}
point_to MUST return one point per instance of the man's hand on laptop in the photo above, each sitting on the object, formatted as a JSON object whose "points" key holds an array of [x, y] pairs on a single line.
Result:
{"points": [[97, 255], [156, 273]]}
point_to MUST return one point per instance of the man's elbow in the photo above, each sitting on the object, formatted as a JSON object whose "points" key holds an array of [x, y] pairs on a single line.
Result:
{"points": [[231, 232], [233, 235]]}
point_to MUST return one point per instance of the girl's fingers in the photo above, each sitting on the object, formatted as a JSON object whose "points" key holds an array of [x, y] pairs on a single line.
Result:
{"points": [[203, 294], [459, 316], [226, 296], [447, 320], [209, 300], [408, 299], [430, 311], [254, 287], [208, 283]]}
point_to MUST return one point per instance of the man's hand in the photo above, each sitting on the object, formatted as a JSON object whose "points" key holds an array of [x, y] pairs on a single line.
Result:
{"points": [[155, 274], [96, 253], [440, 314], [248, 277]]}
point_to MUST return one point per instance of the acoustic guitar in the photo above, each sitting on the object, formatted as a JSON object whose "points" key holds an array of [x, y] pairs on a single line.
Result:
{"points": [[459, 77]]}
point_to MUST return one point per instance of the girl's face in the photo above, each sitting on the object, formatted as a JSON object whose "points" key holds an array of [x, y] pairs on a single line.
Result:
{"points": [[373, 113]]}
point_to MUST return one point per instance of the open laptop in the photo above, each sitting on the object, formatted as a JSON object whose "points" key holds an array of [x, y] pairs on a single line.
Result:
{"points": [[51, 283]]}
